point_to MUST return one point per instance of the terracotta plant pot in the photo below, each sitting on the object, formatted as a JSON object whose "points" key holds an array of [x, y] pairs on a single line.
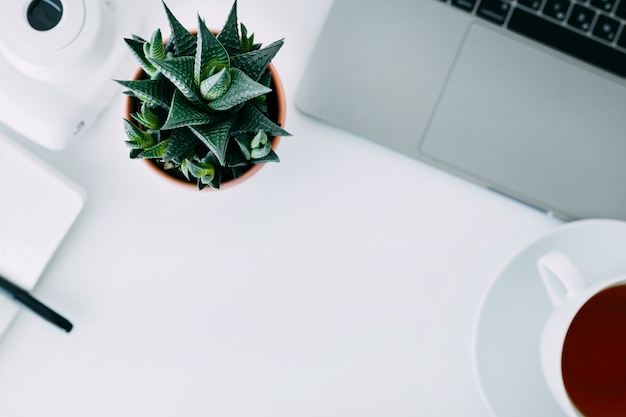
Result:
{"points": [[277, 111]]}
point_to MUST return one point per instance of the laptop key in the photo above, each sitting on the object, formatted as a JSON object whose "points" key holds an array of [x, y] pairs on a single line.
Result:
{"points": [[606, 28], [556, 9], [493, 10], [581, 17], [567, 41], [606, 5]]}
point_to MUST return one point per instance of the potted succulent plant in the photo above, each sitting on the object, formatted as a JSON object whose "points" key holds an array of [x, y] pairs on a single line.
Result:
{"points": [[204, 107]]}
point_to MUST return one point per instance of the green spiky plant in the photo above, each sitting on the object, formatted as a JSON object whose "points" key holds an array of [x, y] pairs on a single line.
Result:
{"points": [[201, 110]]}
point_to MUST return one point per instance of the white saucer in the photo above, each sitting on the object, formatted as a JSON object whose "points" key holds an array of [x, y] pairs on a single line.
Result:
{"points": [[509, 325]]}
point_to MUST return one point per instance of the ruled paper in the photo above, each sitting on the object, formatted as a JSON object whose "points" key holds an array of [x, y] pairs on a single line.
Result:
{"points": [[37, 208]]}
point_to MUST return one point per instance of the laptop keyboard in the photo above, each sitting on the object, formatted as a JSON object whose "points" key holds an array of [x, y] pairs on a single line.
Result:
{"points": [[591, 30]]}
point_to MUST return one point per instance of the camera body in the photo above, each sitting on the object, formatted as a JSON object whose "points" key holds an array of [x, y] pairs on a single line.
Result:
{"points": [[57, 59]]}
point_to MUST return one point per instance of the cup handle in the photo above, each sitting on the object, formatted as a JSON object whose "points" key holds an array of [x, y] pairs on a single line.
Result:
{"points": [[560, 276]]}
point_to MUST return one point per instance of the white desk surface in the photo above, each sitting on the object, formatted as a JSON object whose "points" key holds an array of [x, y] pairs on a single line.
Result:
{"points": [[344, 281]]}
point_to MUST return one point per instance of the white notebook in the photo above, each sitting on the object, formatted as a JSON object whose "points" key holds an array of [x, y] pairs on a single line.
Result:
{"points": [[37, 207]]}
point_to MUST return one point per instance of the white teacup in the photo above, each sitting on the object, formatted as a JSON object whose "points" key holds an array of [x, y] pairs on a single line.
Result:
{"points": [[583, 346]]}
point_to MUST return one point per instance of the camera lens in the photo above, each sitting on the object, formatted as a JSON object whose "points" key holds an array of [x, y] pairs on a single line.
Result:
{"points": [[44, 14]]}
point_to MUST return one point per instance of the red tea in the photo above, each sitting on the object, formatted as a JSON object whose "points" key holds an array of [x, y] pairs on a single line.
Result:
{"points": [[594, 355]]}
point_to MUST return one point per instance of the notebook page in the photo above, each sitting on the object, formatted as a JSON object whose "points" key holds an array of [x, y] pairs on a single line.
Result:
{"points": [[37, 207]]}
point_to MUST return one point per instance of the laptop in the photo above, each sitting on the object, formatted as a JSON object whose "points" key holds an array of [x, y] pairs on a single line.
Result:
{"points": [[526, 97]]}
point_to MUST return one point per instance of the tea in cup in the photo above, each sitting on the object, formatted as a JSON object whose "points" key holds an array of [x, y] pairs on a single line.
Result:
{"points": [[583, 345]]}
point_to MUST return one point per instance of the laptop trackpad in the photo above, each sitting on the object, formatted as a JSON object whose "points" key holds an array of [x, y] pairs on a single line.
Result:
{"points": [[533, 126]]}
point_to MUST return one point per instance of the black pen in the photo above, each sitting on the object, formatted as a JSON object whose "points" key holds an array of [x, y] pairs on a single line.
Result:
{"points": [[21, 295]]}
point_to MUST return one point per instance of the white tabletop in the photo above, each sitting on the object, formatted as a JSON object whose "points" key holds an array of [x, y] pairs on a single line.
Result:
{"points": [[343, 281]]}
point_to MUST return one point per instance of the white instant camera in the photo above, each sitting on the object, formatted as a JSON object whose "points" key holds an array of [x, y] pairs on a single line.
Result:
{"points": [[57, 59]]}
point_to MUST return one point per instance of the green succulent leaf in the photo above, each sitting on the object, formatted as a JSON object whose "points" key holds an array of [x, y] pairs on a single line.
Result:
{"points": [[153, 121], [238, 160], [210, 54], [180, 72], [183, 113], [217, 177], [244, 145], [247, 42], [147, 117], [137, 138], [259, 140], [155, 152], [252, 120], [137, 49], [242, 88], [255, 63], [207, 172], [157, 91], [270, 157], [256, 147], [216, 85], [215, 137], [184, 167], [180, 143], [260, 145], [140, 119], [261, 152], [155, 48], [229, 35], [184, 43], [201, 170]]}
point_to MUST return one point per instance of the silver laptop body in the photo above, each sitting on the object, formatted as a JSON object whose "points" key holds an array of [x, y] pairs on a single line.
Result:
{"points": [[459, 86]]}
